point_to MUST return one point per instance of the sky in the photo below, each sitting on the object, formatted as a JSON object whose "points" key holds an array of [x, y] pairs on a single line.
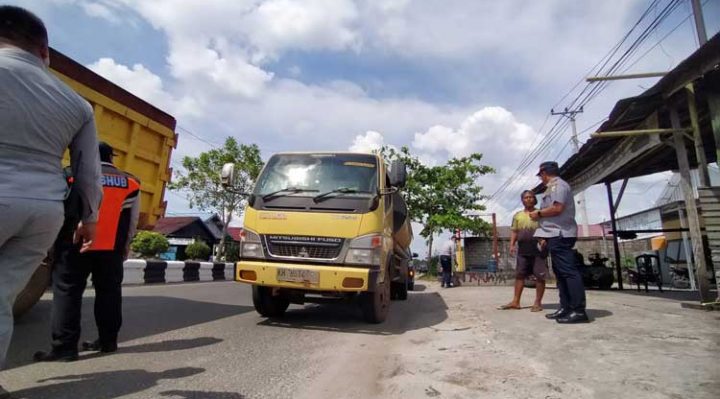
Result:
{"points": [[444, 77]]}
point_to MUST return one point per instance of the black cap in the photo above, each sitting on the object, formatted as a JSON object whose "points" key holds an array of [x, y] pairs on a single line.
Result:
{"points": [[549, 167], [106, 152]]}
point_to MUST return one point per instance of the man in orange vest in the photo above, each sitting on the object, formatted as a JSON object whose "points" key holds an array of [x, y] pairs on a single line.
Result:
{"points": [[116, 226]]}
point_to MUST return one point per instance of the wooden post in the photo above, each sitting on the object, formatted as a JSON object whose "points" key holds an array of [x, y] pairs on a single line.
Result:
{"points": [[616, 245], [496, 254], [691, 206], [699, 145]]}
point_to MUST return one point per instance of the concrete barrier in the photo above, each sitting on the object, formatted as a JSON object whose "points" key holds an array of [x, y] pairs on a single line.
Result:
{"points": [[140, 271]]}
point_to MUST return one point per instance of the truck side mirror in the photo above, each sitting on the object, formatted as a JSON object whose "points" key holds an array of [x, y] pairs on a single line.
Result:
{"points": [[227, 175], [398, 174]]}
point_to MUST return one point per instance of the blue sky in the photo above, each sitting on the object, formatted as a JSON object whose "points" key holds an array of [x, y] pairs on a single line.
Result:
{"points": [[444, 77]]}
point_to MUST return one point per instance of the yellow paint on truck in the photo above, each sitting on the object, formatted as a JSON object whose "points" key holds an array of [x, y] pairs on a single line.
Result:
{"points": [[142, 135]]}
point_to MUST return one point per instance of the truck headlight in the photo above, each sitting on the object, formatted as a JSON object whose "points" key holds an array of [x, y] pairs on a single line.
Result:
{"points": [[250, 245], [365, 250]]}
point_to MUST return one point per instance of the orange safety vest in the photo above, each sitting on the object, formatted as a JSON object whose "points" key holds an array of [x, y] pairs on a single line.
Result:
{"points": [[121, 191]]}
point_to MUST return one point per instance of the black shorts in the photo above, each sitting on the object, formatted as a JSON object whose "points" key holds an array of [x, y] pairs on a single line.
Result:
{"points": [[527, 265]]}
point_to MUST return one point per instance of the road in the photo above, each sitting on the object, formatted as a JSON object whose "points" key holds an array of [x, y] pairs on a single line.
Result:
{"points": [[206, 341]]}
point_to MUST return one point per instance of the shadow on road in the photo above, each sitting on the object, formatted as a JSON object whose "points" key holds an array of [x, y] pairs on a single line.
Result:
{"points": [[680, 296], [164, 346], [201, 394], [108, 385], [419, 288], [142, 316], [421, 310]]}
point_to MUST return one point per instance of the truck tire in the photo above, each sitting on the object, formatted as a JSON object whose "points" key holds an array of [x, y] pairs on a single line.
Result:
{"points": [[411, 286], [399, 290], [35, 288], [375, 305], [267, 304]]}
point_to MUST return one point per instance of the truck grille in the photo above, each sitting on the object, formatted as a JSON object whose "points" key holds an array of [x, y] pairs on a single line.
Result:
{"points": [[304, 247]]}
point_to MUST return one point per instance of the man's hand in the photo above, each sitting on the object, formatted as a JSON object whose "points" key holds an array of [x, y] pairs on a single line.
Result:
{"points": [[535, 215], [513, 250], [85, 234], [542, 243]]}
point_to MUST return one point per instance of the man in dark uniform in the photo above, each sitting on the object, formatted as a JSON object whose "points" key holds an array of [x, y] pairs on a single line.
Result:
{"points": [[558, 232], [116, 226]]}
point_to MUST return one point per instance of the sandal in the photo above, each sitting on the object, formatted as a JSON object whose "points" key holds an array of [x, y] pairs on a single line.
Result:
{"points": [[508, 307], [536, 308]]}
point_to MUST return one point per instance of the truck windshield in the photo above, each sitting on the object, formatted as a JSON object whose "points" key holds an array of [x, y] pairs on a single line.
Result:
{"points": [[310, 174]]}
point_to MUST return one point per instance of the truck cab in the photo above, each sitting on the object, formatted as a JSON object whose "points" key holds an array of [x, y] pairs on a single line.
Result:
{"points": [[326, 226]]}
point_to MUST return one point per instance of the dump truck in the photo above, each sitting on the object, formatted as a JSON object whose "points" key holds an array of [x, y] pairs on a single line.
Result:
{"points": [[142, 135], [325, 226]]}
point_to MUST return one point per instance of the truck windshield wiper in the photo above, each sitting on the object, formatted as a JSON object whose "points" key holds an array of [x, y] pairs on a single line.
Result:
{"points": [[341, 190], [293, 190]]}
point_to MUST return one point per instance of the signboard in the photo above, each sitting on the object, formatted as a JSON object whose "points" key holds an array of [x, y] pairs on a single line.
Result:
{"points": [[180, 241]]}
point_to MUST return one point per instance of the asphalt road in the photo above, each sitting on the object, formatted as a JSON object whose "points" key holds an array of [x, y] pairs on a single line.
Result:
{"points": [[206, 341]]}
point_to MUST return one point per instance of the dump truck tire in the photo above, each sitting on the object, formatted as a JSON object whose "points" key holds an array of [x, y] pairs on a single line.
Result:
{"points": [[376, 304], [34, 289], [268, 305]]}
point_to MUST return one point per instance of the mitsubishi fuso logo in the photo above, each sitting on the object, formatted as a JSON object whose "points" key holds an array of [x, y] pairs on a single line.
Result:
{"points": [[303, 253]]}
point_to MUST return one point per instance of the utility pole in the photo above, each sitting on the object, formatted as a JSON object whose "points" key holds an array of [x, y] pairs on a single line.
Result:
{"points": [[699, 21], [570, 114]]}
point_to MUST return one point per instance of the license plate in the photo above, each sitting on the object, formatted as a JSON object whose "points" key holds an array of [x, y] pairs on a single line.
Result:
{"points": [[298, 275]]}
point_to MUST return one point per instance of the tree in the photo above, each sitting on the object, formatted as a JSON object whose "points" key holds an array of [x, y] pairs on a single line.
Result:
{"points": [[445, 197], [149, 244], [200, 182]]}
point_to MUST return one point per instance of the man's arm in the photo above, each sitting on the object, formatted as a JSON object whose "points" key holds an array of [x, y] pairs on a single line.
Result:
{"points": [[85, 164], [553, 210], [513, 241], [132, 229]]}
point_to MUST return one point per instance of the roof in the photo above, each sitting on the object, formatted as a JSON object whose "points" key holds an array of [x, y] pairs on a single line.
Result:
{"points": [[235, 232], [609, 159], [76, 71], [169, 225]]}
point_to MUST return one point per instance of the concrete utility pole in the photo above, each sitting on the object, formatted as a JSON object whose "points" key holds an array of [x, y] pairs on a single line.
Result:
{"points": [[570, 114], [699, 21]]}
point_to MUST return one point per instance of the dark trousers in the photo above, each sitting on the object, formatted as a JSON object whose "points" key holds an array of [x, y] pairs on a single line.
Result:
{"points": [[446, 278], [569, 277], [70, 275]]}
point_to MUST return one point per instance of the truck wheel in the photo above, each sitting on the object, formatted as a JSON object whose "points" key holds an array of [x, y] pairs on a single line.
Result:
{"points": [[411, 286], [375, 305], [35, 288], [268, 305]]}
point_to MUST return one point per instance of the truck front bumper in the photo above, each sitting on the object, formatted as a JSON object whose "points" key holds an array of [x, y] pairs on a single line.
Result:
{"points": [[329, 277]]}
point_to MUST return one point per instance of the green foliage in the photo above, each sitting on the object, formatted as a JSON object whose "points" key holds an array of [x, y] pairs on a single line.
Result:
{"points": [[198, 250], [232, 250], [444, 197], [200, 182], [149, 244]]}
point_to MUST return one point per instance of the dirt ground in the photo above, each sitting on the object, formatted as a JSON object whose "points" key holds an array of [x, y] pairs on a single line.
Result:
{"points": [[637, 346]]}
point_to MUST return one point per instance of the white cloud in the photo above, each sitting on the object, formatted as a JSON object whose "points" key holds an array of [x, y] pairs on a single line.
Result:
{"points": [[278, 25], [369, 142], [141, 82], [492, 131]]}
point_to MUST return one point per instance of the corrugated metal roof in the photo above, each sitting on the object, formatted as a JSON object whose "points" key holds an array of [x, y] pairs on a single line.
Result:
{"points": [[628, 114]]}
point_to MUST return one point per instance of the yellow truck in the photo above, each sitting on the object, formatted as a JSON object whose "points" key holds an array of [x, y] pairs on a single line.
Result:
{"points": [[143, 138], [325, 226]]}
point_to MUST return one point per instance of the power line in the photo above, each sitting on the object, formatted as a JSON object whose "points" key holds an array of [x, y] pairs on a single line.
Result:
{"points": [[589, 92]]}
